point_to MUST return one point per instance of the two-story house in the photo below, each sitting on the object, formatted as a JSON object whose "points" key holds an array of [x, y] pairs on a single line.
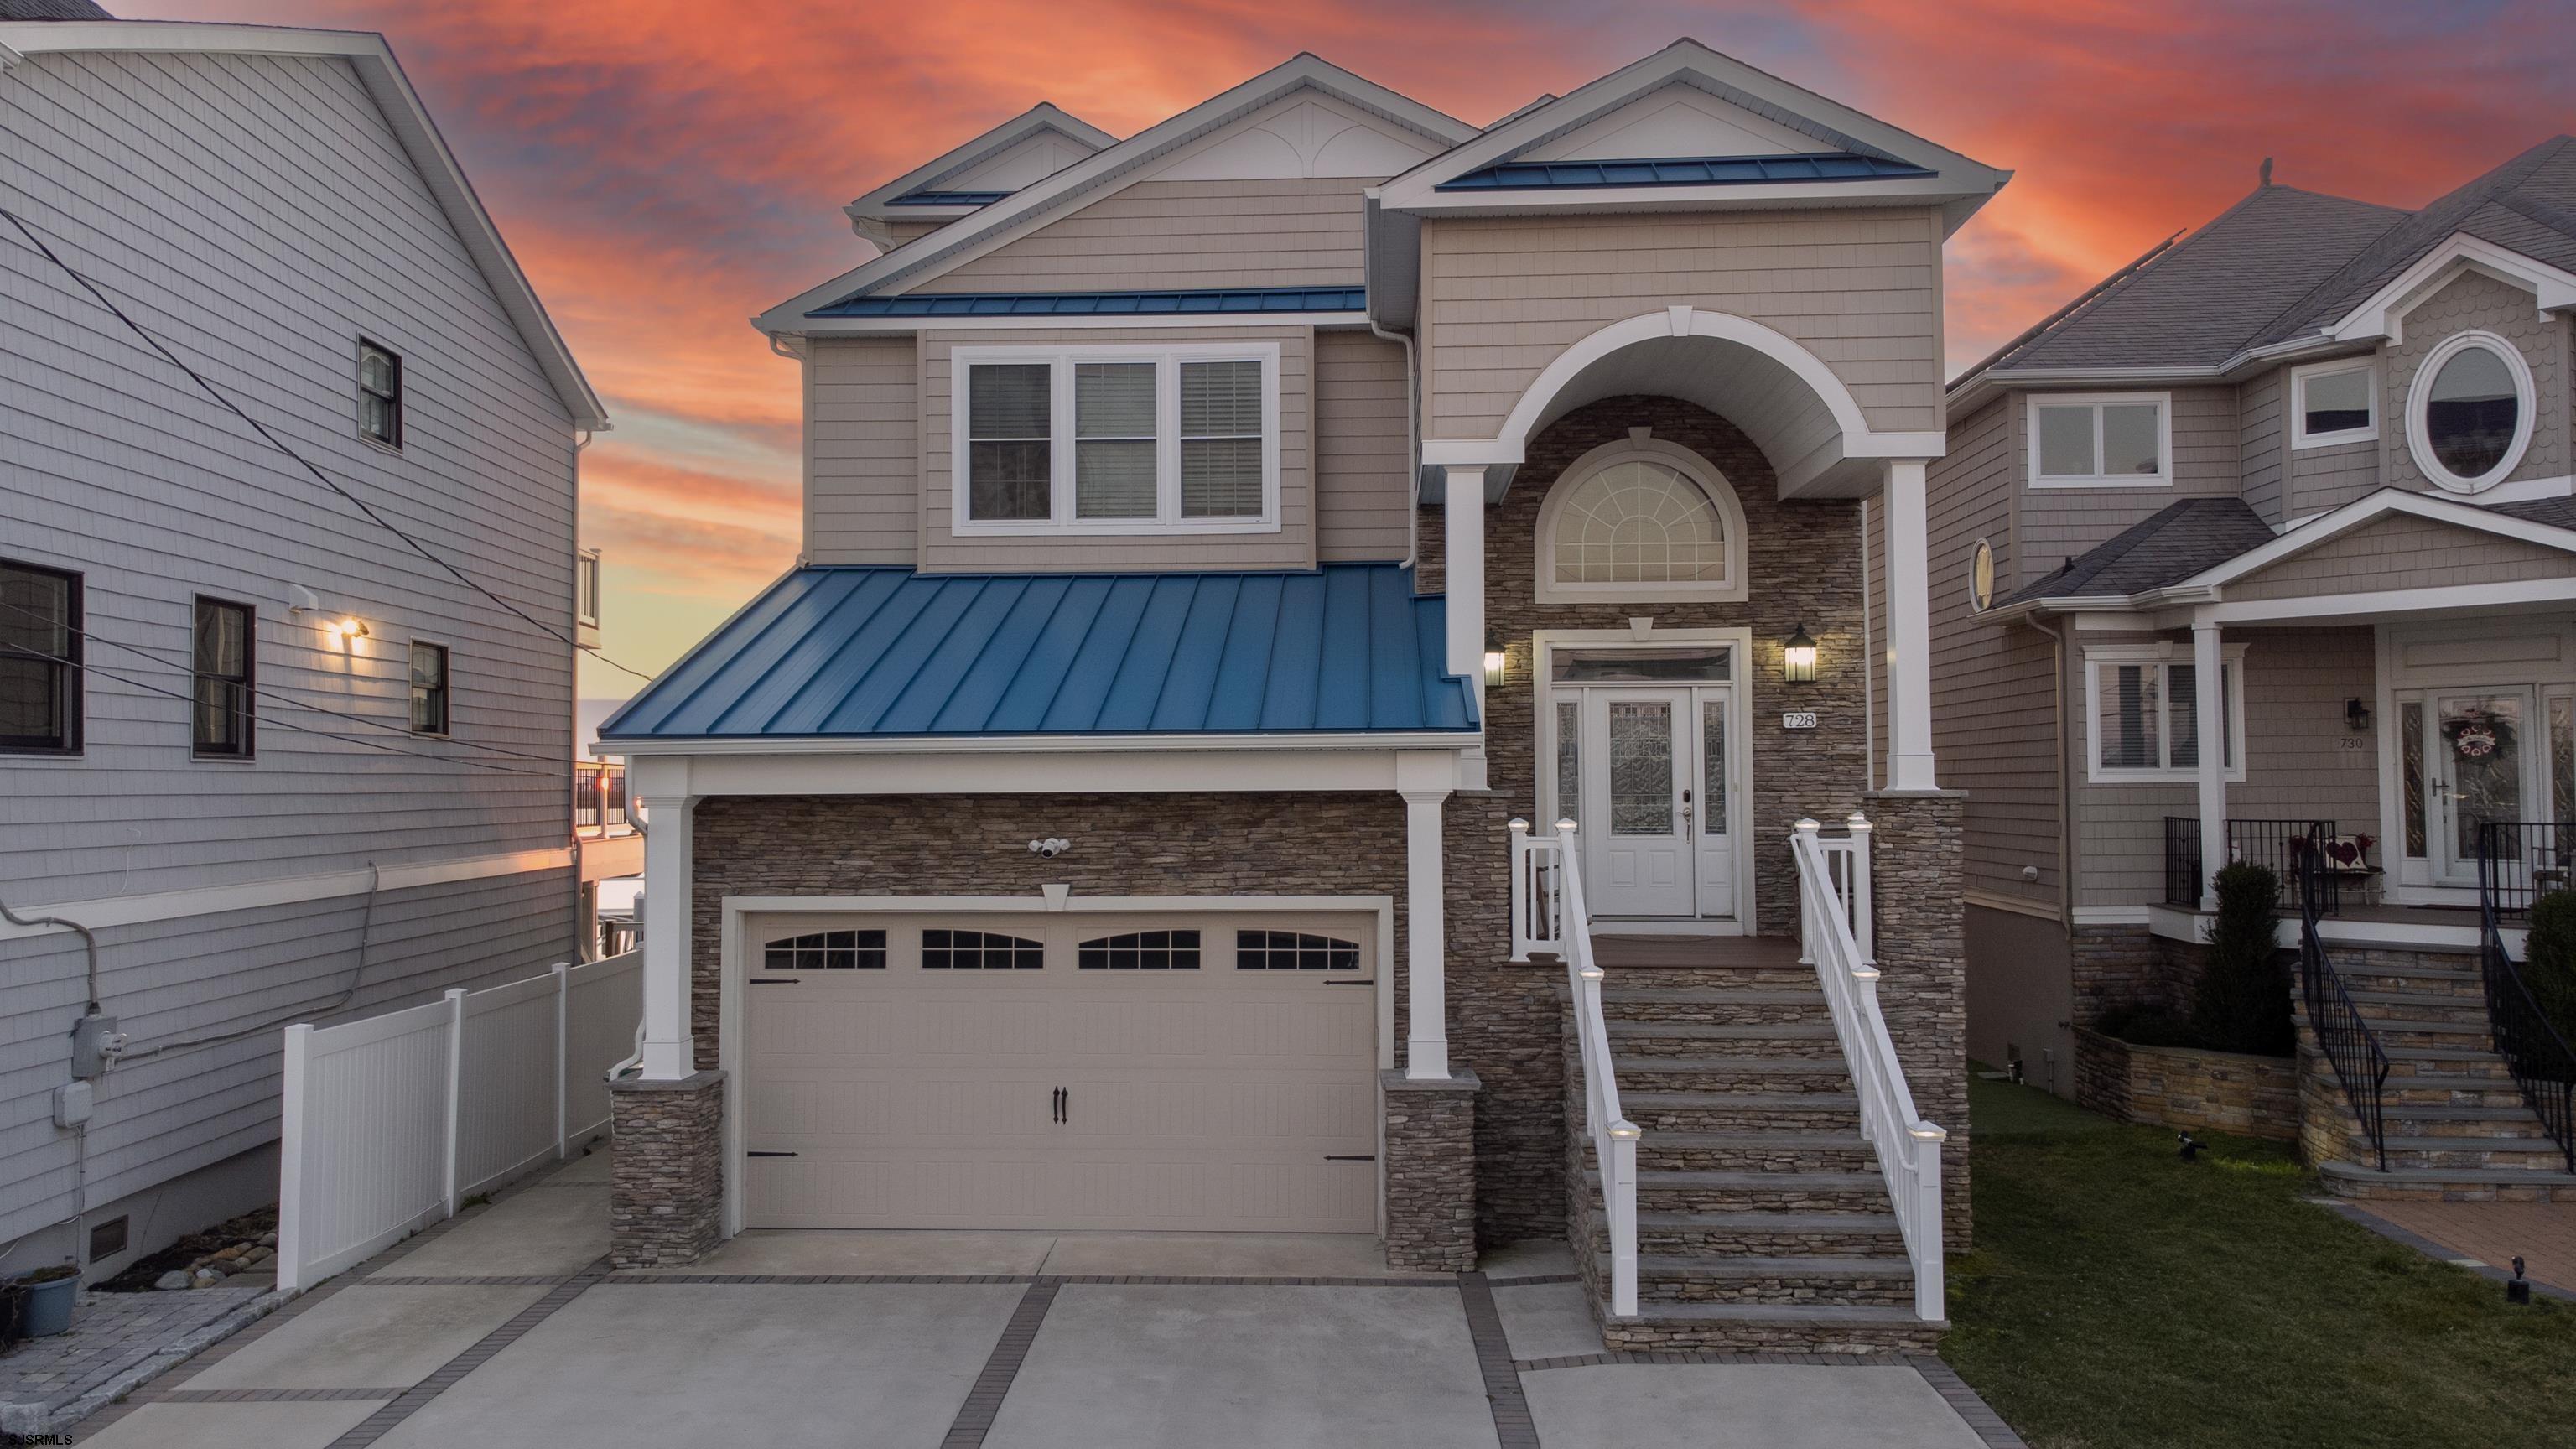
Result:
{"points": [[262, 760], [1229, 552], [2264, 549]]}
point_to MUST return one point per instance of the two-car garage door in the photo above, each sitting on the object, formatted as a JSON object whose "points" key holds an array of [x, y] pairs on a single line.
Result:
{"points": [[1178, 1071]]}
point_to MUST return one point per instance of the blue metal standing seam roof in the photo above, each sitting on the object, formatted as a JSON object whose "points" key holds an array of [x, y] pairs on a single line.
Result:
{"points": [[1685, 171], [1100, 304], [948, 198], [840, 652]]}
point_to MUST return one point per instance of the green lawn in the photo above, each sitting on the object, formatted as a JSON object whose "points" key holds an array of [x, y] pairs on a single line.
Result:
{"points": [[2119, 1296]]}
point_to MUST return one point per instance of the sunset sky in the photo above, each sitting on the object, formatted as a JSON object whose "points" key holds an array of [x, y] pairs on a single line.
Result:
{"points": [[665, 169]]}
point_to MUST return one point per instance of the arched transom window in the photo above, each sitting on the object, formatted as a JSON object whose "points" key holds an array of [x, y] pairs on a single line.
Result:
{"points": [[1640, 520]]}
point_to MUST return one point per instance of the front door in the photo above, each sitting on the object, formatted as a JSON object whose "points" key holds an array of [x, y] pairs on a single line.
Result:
{"points": [[1639, 796], [2482, 768]]}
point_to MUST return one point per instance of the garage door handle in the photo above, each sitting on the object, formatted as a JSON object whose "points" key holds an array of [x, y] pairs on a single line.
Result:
{"points": [[1058, 1110], [1350, 1157], [769, 1154]]}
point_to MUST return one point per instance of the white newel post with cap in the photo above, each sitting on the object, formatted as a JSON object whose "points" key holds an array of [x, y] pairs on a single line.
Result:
{"points": [[2208, 696], [670, 1054], [1909, 627]]}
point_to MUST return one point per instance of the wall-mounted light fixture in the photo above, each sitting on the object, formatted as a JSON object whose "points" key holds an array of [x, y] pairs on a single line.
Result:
{"points": [[346, 628], [1494, 657], [1798, 656], [2356, 714]]}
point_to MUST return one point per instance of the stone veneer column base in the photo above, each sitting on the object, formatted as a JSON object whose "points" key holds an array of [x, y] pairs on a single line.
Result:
{"points": [[1430, 1171], [1917, 874], [666, 1170]]}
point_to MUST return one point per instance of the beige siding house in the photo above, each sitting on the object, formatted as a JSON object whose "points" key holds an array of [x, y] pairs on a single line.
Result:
{"points": [[2317, 451], [1231, 553]]}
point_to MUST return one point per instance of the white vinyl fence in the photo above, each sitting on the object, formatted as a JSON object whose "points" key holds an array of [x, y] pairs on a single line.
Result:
{"points": [[389, 1122]]}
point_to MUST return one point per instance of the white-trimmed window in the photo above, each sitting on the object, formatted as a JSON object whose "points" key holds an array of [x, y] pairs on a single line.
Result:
{"points": [[2142, 714], [2101, 440], [1116, 439], [2469, 412], [1640, 519], [1981, 576], [2334, 402]]}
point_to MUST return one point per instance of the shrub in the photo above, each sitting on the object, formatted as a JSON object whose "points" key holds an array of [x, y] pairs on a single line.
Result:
{"points": [[2242, 1001], [2148, 1026], [2549, 960]]}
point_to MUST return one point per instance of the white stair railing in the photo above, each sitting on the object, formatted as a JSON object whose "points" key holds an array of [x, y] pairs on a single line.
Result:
{"points": [[1548, 914], [1834, 907]]}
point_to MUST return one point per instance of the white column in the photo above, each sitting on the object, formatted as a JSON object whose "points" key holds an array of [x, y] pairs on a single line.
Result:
{"points": [[2207, 664], [669, 1053], [1463, 573], [1426, 1045], [1909, 629]]}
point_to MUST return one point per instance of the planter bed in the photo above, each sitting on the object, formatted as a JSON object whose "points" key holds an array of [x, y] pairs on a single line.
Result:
{"points": [[2187, 1087]]}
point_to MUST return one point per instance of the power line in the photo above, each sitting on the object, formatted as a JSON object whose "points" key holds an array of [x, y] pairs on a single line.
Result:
{"points": [[21, 651], [323, 478], [281, 698]]}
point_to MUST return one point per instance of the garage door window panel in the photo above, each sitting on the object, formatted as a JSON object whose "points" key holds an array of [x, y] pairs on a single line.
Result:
{"points": [[826, 951], [950, 950], [1141, 951], [1293, 951]]}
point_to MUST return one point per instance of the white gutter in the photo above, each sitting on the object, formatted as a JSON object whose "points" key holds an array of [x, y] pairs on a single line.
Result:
{"points": [[1282, 743]]}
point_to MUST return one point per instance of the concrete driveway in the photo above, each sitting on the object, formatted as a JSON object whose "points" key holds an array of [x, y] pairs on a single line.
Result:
{"points": [[502, 1329]]}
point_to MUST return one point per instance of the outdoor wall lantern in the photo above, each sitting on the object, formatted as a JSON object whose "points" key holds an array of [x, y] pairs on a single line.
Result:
{"points": [[2356, 714], [1798, 657], [1494, 657]]}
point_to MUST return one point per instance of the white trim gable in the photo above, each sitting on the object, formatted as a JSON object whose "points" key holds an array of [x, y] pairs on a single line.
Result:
{"points": [[2385, 502], [2383, 313], [410, 122], [1039, 124], [1116, 166], [1767, 100]]}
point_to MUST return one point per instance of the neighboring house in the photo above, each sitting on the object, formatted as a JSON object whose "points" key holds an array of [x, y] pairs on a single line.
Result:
{"points": [[1214, 540], [2300, 485], [260, 815]]}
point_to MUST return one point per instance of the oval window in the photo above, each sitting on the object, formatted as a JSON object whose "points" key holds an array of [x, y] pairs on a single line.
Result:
{"points": [[1981, 576], [2472, 418]]}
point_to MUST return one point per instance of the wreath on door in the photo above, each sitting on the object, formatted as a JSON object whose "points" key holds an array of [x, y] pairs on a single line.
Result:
{"points": [[2476, 734]]}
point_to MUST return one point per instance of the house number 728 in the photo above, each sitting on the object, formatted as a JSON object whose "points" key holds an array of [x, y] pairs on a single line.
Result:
{"points": [[1798, 719]]}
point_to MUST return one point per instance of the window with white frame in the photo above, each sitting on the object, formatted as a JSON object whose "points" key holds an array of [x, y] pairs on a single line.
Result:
{"points": [[2334, 402], [1116, 439], [1644, 520], [2101, 440], [2142, 715]]}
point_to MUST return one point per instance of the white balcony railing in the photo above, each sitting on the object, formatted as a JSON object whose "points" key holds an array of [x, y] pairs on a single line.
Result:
{"points": [[1834, 908], [1548, 915]]}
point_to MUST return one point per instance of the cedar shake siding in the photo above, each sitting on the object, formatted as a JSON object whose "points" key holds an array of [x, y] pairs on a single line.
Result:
{"points": [[2477, 302], [2404, 553]]}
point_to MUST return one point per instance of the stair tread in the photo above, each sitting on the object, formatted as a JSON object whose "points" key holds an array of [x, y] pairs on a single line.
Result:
{"points": [[1720, 1097], [2483, 1176], [2404, 1053], [2378, 995], [2392, 1023], [1785, 1313], [1724, 1031], [1683, 1265], [2470, 1141], [2423, 1112], [1697, 1177], [2349, 967], [1713, 995], [1766, 1218], [1786, 1141], [1783, 1065]]}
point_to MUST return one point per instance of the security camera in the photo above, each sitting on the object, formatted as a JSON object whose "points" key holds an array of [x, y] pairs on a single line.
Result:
{"points": [[1051, 847]]}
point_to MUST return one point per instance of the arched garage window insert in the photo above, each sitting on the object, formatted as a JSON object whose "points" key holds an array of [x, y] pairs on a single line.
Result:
{"points": [[1293, 951], [1640, 520], [1142, 951], [826, 951], [980, 951]]}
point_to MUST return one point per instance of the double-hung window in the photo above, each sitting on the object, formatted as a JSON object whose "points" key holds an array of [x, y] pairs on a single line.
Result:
{"points": [[2101, 440], [2143, 715], [2334, 402], [429, 698], [40, 653], [380, 400], [227, 645], [1116, 439]]}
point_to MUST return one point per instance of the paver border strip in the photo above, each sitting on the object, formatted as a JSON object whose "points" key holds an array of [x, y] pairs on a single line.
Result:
{"points": [[276, 1396], [1513, 1426], [2353, 1211], [412, 1400], [1712, 1356], [984, 1400], [1966, 1402], [639, 1280]]}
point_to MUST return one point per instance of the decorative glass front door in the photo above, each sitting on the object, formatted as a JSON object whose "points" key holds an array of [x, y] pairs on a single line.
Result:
{"points": [[1650, 774], [2478, 766]]}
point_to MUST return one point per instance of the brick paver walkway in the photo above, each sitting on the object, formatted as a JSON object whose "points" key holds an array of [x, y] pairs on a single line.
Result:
{"points": [[111, 1335], [2543, 1234]]}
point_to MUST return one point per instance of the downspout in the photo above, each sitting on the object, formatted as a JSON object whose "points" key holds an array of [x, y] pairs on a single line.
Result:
{"points": [[1412, 389]]}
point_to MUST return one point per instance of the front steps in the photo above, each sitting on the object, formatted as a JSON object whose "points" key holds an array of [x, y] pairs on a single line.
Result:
{"points": [[2458, 1128], [1763, 1222]]}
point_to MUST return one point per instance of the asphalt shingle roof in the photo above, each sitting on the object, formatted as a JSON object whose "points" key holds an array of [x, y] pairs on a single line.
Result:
{"points": [[51, 10], [2284, 262], [2181, 540]]}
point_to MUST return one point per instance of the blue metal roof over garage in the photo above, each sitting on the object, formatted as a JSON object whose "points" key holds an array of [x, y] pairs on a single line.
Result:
{"points": [[885, 653]]}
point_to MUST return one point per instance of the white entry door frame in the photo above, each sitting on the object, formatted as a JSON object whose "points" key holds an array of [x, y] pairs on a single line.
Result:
{"points": [[2467, 712], [1697, 877]]}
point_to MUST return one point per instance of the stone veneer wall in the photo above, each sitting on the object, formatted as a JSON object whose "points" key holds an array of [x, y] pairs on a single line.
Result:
{"points": [[2188, 1088], [2116, 967], [1430, 1171], [1917, 873], [666, 1174], [1803, 566]]}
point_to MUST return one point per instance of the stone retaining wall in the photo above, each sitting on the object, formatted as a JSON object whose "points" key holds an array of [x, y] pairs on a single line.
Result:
{"points": [[666, 1173], [1430, 1172], [2187, 1087]]}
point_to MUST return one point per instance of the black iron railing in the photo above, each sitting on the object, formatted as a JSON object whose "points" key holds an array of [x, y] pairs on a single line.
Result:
{"points": [[2360, 1062], [2279, 844], [2515, 862]]}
